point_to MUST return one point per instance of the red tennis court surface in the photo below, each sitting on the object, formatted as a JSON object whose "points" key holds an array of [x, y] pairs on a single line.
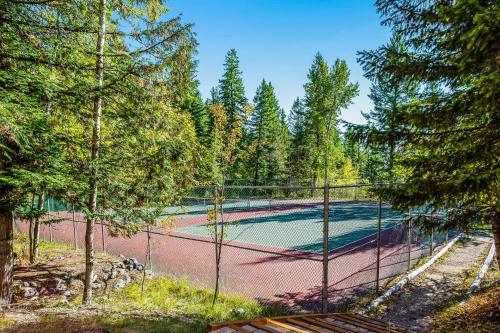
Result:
{"points": [[272, 275]]}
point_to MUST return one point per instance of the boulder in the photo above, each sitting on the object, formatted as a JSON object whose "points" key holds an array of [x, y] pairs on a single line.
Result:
{"points": [[122, 281], [28, 292]]}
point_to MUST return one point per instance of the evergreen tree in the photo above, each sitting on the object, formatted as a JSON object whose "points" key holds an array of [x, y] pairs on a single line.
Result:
{"points": [[452, 132], [200, 117], [231, 91], [58, 77], [266, 136], [299, 161], [388, 95]]}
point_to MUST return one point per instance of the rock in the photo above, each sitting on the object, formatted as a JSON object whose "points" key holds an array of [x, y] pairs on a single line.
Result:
{"points": [[113, 273], [107, 270], [76, 284], [120, 271], [122, 281], [35, 284], [139, 267], [79, 275], [57, 284], [25, 284], [67, 293], [238, 311], [28, 292]]}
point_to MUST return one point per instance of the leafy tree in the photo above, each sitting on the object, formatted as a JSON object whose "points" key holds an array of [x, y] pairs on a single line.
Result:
{"points": [[328, 92], [266, 136], [452, 131], [62, 42], [223, 153]]}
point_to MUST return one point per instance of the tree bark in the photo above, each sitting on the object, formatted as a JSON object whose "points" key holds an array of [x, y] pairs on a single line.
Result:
{"points": [[96, 140], [30, 230], [36, 233], [6, 257], [496, 236]]}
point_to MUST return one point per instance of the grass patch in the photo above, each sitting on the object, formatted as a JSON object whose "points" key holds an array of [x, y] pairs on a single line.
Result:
{"points": [[182, 301]]}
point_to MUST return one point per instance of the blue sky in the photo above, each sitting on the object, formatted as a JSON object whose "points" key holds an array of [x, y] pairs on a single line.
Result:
{"points": [[277, 40]]}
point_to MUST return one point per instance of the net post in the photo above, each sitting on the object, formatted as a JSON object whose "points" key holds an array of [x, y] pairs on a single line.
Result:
{"points": [[432, 242], [50, 224], [379, 225], [75, 241], [102, 236], [326, 208], [409, 239]]}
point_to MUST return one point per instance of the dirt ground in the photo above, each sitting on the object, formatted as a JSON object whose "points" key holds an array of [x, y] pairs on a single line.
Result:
{"points": [[441, 285]]}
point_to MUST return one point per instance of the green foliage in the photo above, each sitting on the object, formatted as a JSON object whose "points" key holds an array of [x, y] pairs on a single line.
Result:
{"points": [[451, 131], [388, 95], [231, 89], [328, 92], [267, 137]]}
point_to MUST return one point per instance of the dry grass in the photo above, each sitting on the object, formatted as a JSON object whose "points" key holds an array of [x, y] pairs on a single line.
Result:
{"points": [[480, 314]]}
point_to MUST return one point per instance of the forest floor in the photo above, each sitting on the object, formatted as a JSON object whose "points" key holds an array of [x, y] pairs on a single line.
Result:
{"points": [[430, 301], [47, 297]]}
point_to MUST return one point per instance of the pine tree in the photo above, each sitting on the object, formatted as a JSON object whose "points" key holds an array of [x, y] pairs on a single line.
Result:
{"points": [[388, 95], [299, 161], [231, 89], [266, 136], [452, 132], [200, 117]]}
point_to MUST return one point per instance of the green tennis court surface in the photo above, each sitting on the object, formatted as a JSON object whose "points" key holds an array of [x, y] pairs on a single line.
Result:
{"points": [[302, 229], [200, 206]]}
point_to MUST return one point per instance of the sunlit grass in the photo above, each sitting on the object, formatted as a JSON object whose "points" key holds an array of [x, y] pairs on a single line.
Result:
{"points": [[172, 296]]}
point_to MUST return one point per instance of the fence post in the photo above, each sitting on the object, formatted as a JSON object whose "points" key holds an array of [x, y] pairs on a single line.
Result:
{"points": [[432, 242], [50, 224], [75, 241], [326, 208], [102, 236], [379, 225], [409, 239]]}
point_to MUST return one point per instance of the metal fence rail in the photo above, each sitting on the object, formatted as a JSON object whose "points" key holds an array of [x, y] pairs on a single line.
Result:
{"points": [[298, 247]]}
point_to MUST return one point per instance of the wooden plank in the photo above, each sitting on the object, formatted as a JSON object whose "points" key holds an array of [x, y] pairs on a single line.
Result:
{"points": [[285, 326], [214, 326], [314, 322], [238, 328], [331, 326], [310, 327], [360, 323], [383, 323], [265, 328]]}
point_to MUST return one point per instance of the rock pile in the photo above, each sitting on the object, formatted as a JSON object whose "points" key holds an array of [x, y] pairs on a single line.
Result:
{"points": [[113, 276]]}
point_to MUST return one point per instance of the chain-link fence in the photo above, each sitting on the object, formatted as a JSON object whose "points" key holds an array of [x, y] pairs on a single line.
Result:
{"points": [[297, 247]]}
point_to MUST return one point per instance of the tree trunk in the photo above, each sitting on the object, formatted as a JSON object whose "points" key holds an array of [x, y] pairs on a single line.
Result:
{"points": [[36, 233], [6, 257], [30, 230], [96, 140], [496, 236]]}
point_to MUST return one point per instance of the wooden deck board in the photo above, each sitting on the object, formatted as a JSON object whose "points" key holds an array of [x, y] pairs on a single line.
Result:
{"points": [[309, 323]]}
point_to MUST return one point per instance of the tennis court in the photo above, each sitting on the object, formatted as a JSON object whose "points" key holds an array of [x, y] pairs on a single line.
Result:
{"points": [[296, 225]]}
